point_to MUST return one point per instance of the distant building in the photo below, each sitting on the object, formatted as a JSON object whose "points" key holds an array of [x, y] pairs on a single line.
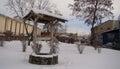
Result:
{"points": [[67, 37], [106, 27], [107, 32], [14, 26]]}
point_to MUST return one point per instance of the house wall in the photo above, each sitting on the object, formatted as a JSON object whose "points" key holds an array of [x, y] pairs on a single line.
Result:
{"points": [[106, 27], [2, 24], [15, 26], [8, 24]]}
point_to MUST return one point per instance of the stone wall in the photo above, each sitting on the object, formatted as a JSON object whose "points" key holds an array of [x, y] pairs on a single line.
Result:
{"points": [[43, 59]]}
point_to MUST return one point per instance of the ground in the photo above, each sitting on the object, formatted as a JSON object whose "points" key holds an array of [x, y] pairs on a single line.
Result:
{"points": [[12, 57]]}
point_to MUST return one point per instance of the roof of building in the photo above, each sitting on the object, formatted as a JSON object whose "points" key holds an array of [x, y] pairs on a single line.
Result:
{"points": [[106, 22]]}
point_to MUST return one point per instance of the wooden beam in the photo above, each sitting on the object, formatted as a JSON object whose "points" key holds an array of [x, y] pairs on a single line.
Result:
{"points": [[31, 14], [35, 35], [55, 21]]}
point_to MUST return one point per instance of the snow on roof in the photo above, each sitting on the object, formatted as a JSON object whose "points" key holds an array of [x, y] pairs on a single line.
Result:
{"points": [[37, 11]]}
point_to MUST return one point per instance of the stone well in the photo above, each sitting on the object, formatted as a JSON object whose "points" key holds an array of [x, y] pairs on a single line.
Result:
{"points": [[43, 59]]}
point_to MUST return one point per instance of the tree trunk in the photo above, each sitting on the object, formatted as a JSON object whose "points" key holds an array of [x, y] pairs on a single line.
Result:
{"points": [[93, 23], [92, 35], [93, 38]]}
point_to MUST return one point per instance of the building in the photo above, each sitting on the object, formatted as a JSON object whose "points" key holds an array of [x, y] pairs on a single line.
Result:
{"points": [[107, 33], [16, 27], [67, 37], [106, 27]]}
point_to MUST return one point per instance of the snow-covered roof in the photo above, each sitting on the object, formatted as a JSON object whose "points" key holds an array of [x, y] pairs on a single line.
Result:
{"points": [[36, 11]]}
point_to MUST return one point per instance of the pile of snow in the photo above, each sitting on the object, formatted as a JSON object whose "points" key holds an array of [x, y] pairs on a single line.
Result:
{"points": [[12, 57]]}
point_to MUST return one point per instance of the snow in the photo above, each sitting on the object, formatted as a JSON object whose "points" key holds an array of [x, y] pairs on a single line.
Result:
{"points": [[46, 13], [47, 56], [12, 57], [64, 35]]}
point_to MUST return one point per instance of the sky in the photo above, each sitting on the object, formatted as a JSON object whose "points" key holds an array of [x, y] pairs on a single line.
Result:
{"points": [[73, 25]]}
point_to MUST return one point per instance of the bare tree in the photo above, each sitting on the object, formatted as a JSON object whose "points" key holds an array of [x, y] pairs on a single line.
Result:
{"points": [[92, 11], [20, 7], [43, 4]]}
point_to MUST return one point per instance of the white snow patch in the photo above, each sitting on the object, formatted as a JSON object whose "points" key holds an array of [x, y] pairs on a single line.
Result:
{"points": [[33, 54], [12, 57]]}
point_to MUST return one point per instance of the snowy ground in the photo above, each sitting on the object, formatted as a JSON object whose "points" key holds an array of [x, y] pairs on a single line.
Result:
{"points": [[12, 57]]}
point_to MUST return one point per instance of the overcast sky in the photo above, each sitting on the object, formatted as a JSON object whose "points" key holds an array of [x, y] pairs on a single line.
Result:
{"points": [[74, 25]]}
